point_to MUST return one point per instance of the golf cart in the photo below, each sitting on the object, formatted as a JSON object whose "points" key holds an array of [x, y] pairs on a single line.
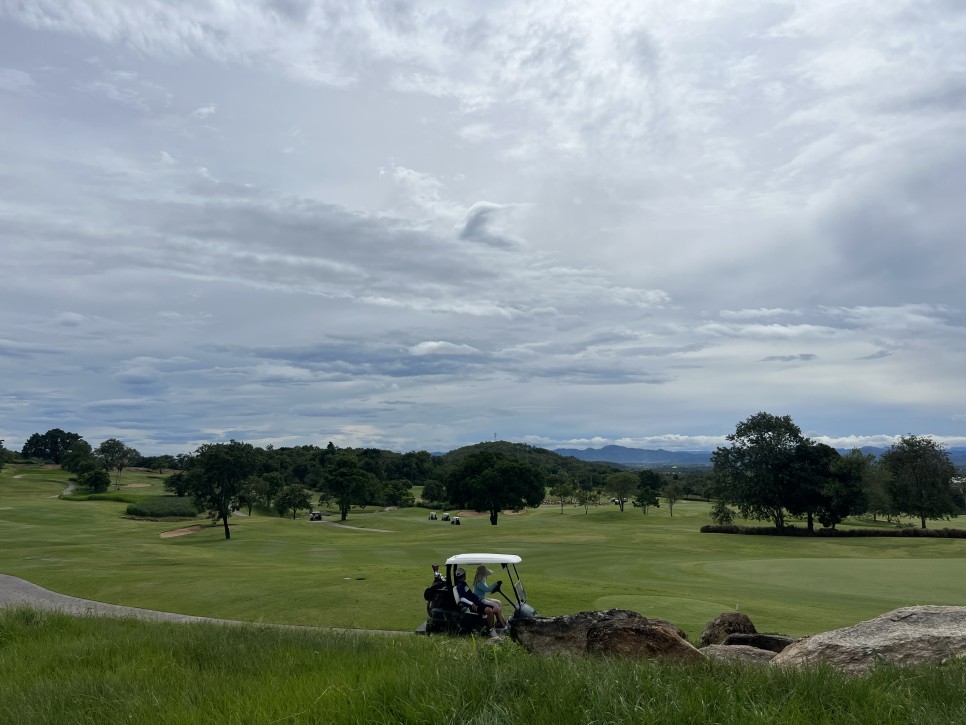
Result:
{"points": [[448, 616]]}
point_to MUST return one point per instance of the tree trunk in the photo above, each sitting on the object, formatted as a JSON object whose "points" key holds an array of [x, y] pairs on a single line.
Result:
{"points": [[493, 516], [811, 523], [224, 516], [923, 520]]}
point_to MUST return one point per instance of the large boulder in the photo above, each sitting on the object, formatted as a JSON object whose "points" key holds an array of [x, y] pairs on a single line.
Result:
{"points": [[906, 636], [737, 653], [640, 638], [549, 635], [771, 642], [718, 629]]}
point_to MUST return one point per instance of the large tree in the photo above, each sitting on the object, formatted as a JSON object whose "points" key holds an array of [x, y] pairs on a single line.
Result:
{"points": [[116, 456], [922, 473], [757, 472], [488, 481], [344, 480], [813, 472], [622, 485], [51, 446], [79, 458], [844, 494], [293, 498], [215, 475]]}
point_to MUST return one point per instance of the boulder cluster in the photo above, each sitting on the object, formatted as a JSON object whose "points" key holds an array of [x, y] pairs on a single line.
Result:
{"points": [[906, 636]]}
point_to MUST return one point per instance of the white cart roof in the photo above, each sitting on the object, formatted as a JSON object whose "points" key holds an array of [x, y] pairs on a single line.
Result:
{"points": [[484, 559]]}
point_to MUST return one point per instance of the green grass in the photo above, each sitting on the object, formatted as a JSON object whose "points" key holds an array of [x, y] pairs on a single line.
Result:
{"points": [[296, 572], [60, 669]]}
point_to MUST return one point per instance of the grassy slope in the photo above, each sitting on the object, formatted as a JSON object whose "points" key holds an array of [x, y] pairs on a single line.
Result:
{"points": [[56, 669], [279, 570]]}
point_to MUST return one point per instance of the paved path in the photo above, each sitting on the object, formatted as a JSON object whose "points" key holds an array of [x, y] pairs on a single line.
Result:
{"points": [[16, 592]]}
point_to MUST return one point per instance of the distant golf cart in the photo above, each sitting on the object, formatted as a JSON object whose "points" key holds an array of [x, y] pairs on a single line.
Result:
{"points": [[447, 616], [315, 516]]}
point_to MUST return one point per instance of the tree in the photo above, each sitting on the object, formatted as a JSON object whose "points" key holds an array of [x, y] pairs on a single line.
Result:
{"points": [[622, 485], [51, 446], [645, 498], [650, 479], [248, 493], [215, 475], [293, 498], [488, 481], [721, 514], [95, 480], [346, 482], [672, 493], [587, 494], [844, 494], [921, 477], [813, 476], [875, 490], [79, 458], [561, 487], [177, 483], [434, 492], [116, 456], [160, 463], [757, 472], [396, 492]]}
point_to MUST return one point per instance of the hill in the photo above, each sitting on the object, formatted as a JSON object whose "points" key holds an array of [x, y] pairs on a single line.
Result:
{"points": [[638, 457]]}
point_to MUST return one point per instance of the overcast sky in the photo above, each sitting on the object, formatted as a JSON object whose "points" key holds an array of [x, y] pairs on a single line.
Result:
{"points": [[417, 225]]}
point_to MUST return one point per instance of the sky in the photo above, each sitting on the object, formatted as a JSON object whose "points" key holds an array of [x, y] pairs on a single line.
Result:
{"points": [[420, 225]]}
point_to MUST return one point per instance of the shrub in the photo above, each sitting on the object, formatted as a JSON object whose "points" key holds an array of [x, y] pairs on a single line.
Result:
{"points": [[163, 507], [832, 533]]}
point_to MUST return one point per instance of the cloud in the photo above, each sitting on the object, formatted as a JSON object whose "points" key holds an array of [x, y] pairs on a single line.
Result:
{"points": [[13, 80], [801, 357], [204, 111], [587, 223]]}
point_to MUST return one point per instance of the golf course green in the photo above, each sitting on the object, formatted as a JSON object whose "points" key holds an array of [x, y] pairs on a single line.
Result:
{"points": [[371, 576]]}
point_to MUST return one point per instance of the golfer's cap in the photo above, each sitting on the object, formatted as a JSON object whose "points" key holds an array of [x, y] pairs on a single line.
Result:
{"points": [[481, 569], [460, 574]]}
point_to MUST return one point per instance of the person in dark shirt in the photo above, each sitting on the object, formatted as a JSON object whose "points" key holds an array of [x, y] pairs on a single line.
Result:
{"points": [[467, 597]]}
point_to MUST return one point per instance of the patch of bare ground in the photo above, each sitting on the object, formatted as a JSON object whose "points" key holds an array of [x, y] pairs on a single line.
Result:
{"points": [[181, 532]]}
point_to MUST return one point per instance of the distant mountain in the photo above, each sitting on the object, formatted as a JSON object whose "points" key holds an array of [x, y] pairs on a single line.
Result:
{"points": [[639, 457]]}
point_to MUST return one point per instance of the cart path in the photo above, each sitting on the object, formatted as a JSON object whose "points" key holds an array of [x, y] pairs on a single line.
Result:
{"points": [[17, 592]]}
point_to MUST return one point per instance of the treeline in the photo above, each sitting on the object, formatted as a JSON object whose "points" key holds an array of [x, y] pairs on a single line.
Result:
{"points": [[771, 472], [223, 477]]}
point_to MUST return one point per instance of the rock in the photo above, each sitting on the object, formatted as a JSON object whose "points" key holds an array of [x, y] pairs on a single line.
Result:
{"points": [[737, 653], [906, 636], [549, 635], [640, 638], [718, 629], [771, 642]]}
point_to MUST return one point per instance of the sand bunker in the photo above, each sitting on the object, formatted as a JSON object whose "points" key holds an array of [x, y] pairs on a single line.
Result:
{"points": [[137, 485], [181, 532]]}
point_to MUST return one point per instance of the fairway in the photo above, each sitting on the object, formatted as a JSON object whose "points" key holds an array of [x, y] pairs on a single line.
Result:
{"points": [[298, 572]]}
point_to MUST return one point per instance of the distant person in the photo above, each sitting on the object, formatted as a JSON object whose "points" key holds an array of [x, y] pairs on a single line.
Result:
{"points": [[477, 605]]}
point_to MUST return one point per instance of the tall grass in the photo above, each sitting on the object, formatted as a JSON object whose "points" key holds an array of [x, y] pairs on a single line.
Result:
{"points": [[55, 668]]}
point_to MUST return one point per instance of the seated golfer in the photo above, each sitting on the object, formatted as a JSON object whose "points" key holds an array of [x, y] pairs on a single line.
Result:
{"points": [[481, 589], [476, 604]]}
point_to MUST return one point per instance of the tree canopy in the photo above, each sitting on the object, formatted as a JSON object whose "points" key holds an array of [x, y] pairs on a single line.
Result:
{"points": [[488, 481], [921, 476], [51, 446], [215, 475]]}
